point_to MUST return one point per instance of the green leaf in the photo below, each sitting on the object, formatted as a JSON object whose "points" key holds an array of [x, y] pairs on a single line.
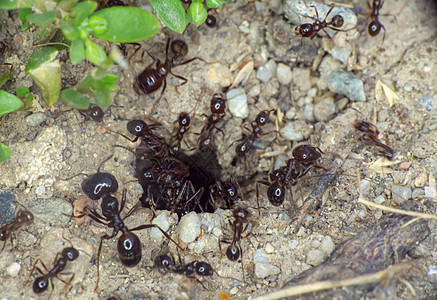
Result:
{"points": [[77, 51], [127, 24], [8, 4], [109, 79], [23, 12], [197, 13], [74, 99], [40, 19], [45, 70], [94, 52], [82, 10], [69, 31], [102, 98], [9, 103], [172, 14], [213, 3], [5, 152], [97, 24], [22, 91], [5, 77]]}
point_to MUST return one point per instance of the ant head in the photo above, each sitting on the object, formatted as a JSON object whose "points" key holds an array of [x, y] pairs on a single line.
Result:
{"points": [[263, 117], [184, 119], [179, 48], [218, 104], [304, 30], [374, 28], [190, 268], [230, 190], [337, 21], [137, 127], [70, 253], [233, 253], [203, 269], [129, 249], [96, 113], [306, 154], [40, 284], [109, 206], [3, 235], [276, 193], [98, 185], [24, 217]]}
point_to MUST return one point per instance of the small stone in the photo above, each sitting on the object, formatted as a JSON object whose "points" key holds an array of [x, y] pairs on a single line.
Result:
{"points": [[379, 200], [432, 272], [283, 218], [405, 165], [7, 197], [308, 112], [260, 256], [219, 74], [346, 83], [13, 269], [255, 90], [290, 133], [327, 245], [362, 213], [302, 79], [341, 104], [315, 257], [400, 193], [189, 227], [430, 192], [269, 249], [421, 180], [267, 71], [40, 190], [244, 27], [342, 53], [283, 73], [418, 193], [35, 119], [162, 221], [259, 6], [233, 291], [237, 103], [262, 270], [365, 186], [325, 109], [293, 244], [327, 66]]}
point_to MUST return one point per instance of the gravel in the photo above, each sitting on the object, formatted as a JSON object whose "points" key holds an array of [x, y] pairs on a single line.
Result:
{"points": [[283, 73], [7, 197], [189, 227], [400, 193], [237, 103], [325, 109], [36, 119], [266, 72], [347, 84]]}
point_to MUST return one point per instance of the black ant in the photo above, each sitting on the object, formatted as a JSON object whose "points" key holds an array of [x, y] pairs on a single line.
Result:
{"points": [[234, 251], [228, 191], [41, 283], [370, 132], [303, 160], [94, 111], [375, 25], [22, 218], [211, 21], [246, 143], [184, 122], [218, 106], [152, 78]]}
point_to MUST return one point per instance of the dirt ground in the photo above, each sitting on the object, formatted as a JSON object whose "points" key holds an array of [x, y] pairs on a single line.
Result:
{"points": [[64, 144]]}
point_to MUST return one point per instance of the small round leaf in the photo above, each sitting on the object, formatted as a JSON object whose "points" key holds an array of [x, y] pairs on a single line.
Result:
{"points": [[197, 13], [9, 103], [74, 99], [77, 51], [171, 13]]}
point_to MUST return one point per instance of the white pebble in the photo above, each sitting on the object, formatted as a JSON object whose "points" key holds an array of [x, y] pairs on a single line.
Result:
{"points": [[237, 103], [234, 290], [266, 72], [430, 192], [262, 270], [315, 257], [189, 227], [283, 73], [260, 256], [162, 221], [13, 269], [365, 186], [40, 190], [292, 244], [269, 248], [380, 199], [327, 245]]}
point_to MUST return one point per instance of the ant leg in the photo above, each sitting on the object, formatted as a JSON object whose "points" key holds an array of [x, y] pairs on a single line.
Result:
{"points": [[123, 200], [53, 288], [160, 229], [31, 272], [383, 35], [181, 78], [104, 237]]}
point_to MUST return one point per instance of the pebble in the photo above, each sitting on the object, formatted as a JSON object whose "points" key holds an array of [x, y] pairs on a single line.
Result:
{"points": [[260, 256], [266, 72], [347, 84], [210, 222], [426, 101], [295, 10], [283, 73], [280, 161], [296, 130], [162, 221], [432, 271], [342, 53], [262, 270], [219, 74], [7, 197], [302, 79], [325, 109], [189, 227], [418, 193], [269, 248], [379, 200], [326, 67], [308, 112], [237, 103], [283, 217], [13, 269], [40, 190], [315, 257], [405, 165], [36, 119], [400, 193], [234, 290], [430, 192], [327, 245], [365, 186], [293, 244], [418, 182], [50, 210], [341, 104]]}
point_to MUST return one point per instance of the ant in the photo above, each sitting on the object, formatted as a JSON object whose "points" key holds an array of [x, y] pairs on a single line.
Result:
{"points": [[23, 218], [41, 283], [375, 25], [152, 78], [371, 133], [129, 245], [218, 106], [184, 122], [234, 251], [243, 148], [94, 112], [303, 160], [210, 21], [227, 191]]}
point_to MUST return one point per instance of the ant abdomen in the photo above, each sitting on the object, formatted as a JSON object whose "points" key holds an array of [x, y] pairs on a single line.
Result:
{"points": [[275, 193], [203, 269], [129, 249], [40, 284], [70, 253], [149, 81], [374, 28], [136, 127], [233, 253], [306, 154], [98, 185]]}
